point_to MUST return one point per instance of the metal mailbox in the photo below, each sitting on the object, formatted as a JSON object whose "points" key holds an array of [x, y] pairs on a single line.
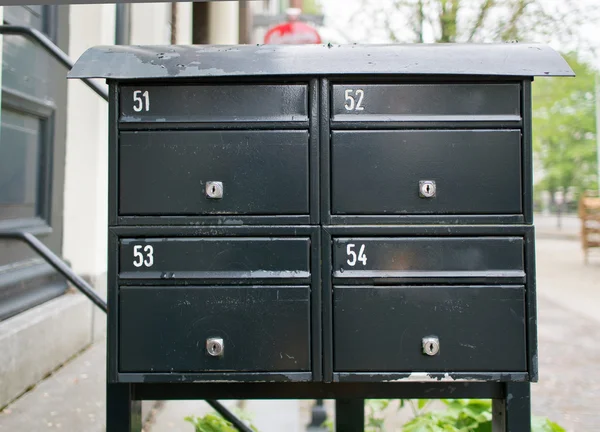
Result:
{"points": [[322, 214]]}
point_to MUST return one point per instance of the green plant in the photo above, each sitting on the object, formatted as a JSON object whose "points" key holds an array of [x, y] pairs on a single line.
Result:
{"points": [[459, 415], [215, 423], [466, 415], [210, 423], [374, 414]]}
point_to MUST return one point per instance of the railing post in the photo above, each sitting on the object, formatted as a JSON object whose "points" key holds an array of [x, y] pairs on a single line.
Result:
{"points": [[318, 417]]}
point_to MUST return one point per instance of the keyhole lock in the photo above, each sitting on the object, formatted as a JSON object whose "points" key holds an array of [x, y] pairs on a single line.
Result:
{"points": [[431, 345], [427, 189], [215, 347], [214, 189]]}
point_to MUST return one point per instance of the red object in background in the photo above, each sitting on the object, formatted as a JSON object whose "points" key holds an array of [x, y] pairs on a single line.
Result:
{"points": [[292, 33]]}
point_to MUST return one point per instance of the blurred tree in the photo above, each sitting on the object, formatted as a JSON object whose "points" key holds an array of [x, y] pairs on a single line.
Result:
{"points": [[312, 7], [468, 20], [564, 130]]}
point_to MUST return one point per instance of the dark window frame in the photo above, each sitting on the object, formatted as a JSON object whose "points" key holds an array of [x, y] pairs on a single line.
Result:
{"points": [[27, 280], [45, 112]]}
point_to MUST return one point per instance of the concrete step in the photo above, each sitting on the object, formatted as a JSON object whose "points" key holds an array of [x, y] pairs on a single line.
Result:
{"points": [[71, 399]]}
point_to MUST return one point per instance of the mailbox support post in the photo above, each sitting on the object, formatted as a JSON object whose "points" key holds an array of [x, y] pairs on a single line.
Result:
{"points": [[513, 412], [123, 412], [350, 415], [318, 417]]}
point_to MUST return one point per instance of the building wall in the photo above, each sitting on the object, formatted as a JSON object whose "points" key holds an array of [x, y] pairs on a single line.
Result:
{"points": [[85, 215], [87, 141], [223, 23], [41, 339], [1, 20]]}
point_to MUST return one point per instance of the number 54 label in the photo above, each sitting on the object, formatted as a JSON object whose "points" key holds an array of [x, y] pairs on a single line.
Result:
{"points": [[353, 257]]}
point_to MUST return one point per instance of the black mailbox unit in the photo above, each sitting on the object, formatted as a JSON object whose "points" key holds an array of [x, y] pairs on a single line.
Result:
{"points": [[340, 222]]}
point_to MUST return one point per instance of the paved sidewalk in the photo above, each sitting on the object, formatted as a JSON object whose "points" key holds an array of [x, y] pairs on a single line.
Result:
{"points": [[72, 399], [569, 388], [547, 226], [563, 277], [569, 327]]}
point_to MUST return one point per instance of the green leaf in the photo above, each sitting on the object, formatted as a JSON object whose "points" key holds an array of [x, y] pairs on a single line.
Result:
{"points": [[422, 403], [542, 424], [212, 423]]}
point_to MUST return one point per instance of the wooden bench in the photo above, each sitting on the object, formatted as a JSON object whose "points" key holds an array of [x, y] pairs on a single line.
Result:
{"points": [[589, 213]]}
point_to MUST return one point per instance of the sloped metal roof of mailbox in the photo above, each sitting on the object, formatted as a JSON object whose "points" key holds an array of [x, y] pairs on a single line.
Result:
{"points": [[150, 62]]}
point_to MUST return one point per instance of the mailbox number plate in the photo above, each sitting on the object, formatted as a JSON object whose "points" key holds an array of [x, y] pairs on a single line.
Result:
{"points": [[215, 258], [425, 102], [214, 103], [399, 257]]}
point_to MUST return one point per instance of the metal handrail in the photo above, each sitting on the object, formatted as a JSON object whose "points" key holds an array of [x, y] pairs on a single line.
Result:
{"points": [[52, 49], [228, 415], [58, 264]]}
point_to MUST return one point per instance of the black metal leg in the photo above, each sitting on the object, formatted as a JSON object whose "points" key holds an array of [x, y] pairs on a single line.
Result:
{"points": [[513, 413], [123, 414], [349, 415], [318, 417]]}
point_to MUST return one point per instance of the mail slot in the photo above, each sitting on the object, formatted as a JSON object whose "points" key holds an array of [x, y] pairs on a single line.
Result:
{"points": [[382, 172], [427, 102], [208, 258], [477, 328], [175, 172], [426, 258], [167, 329], [214, 103]]}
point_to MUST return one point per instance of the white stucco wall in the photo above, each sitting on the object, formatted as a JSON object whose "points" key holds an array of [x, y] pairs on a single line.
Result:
{"points": [[184, 23], [85, 211], [224, 22], [86, 178], [1, 20], [150, 23]]}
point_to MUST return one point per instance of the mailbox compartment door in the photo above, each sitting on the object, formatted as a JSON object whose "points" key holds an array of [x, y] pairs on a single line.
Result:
{"points": [[381, 329], [263, 328], [171, 173], [380, 172]]}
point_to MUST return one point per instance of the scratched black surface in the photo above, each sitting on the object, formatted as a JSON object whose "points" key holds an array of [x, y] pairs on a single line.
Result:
{"points": [[143, 62]]}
